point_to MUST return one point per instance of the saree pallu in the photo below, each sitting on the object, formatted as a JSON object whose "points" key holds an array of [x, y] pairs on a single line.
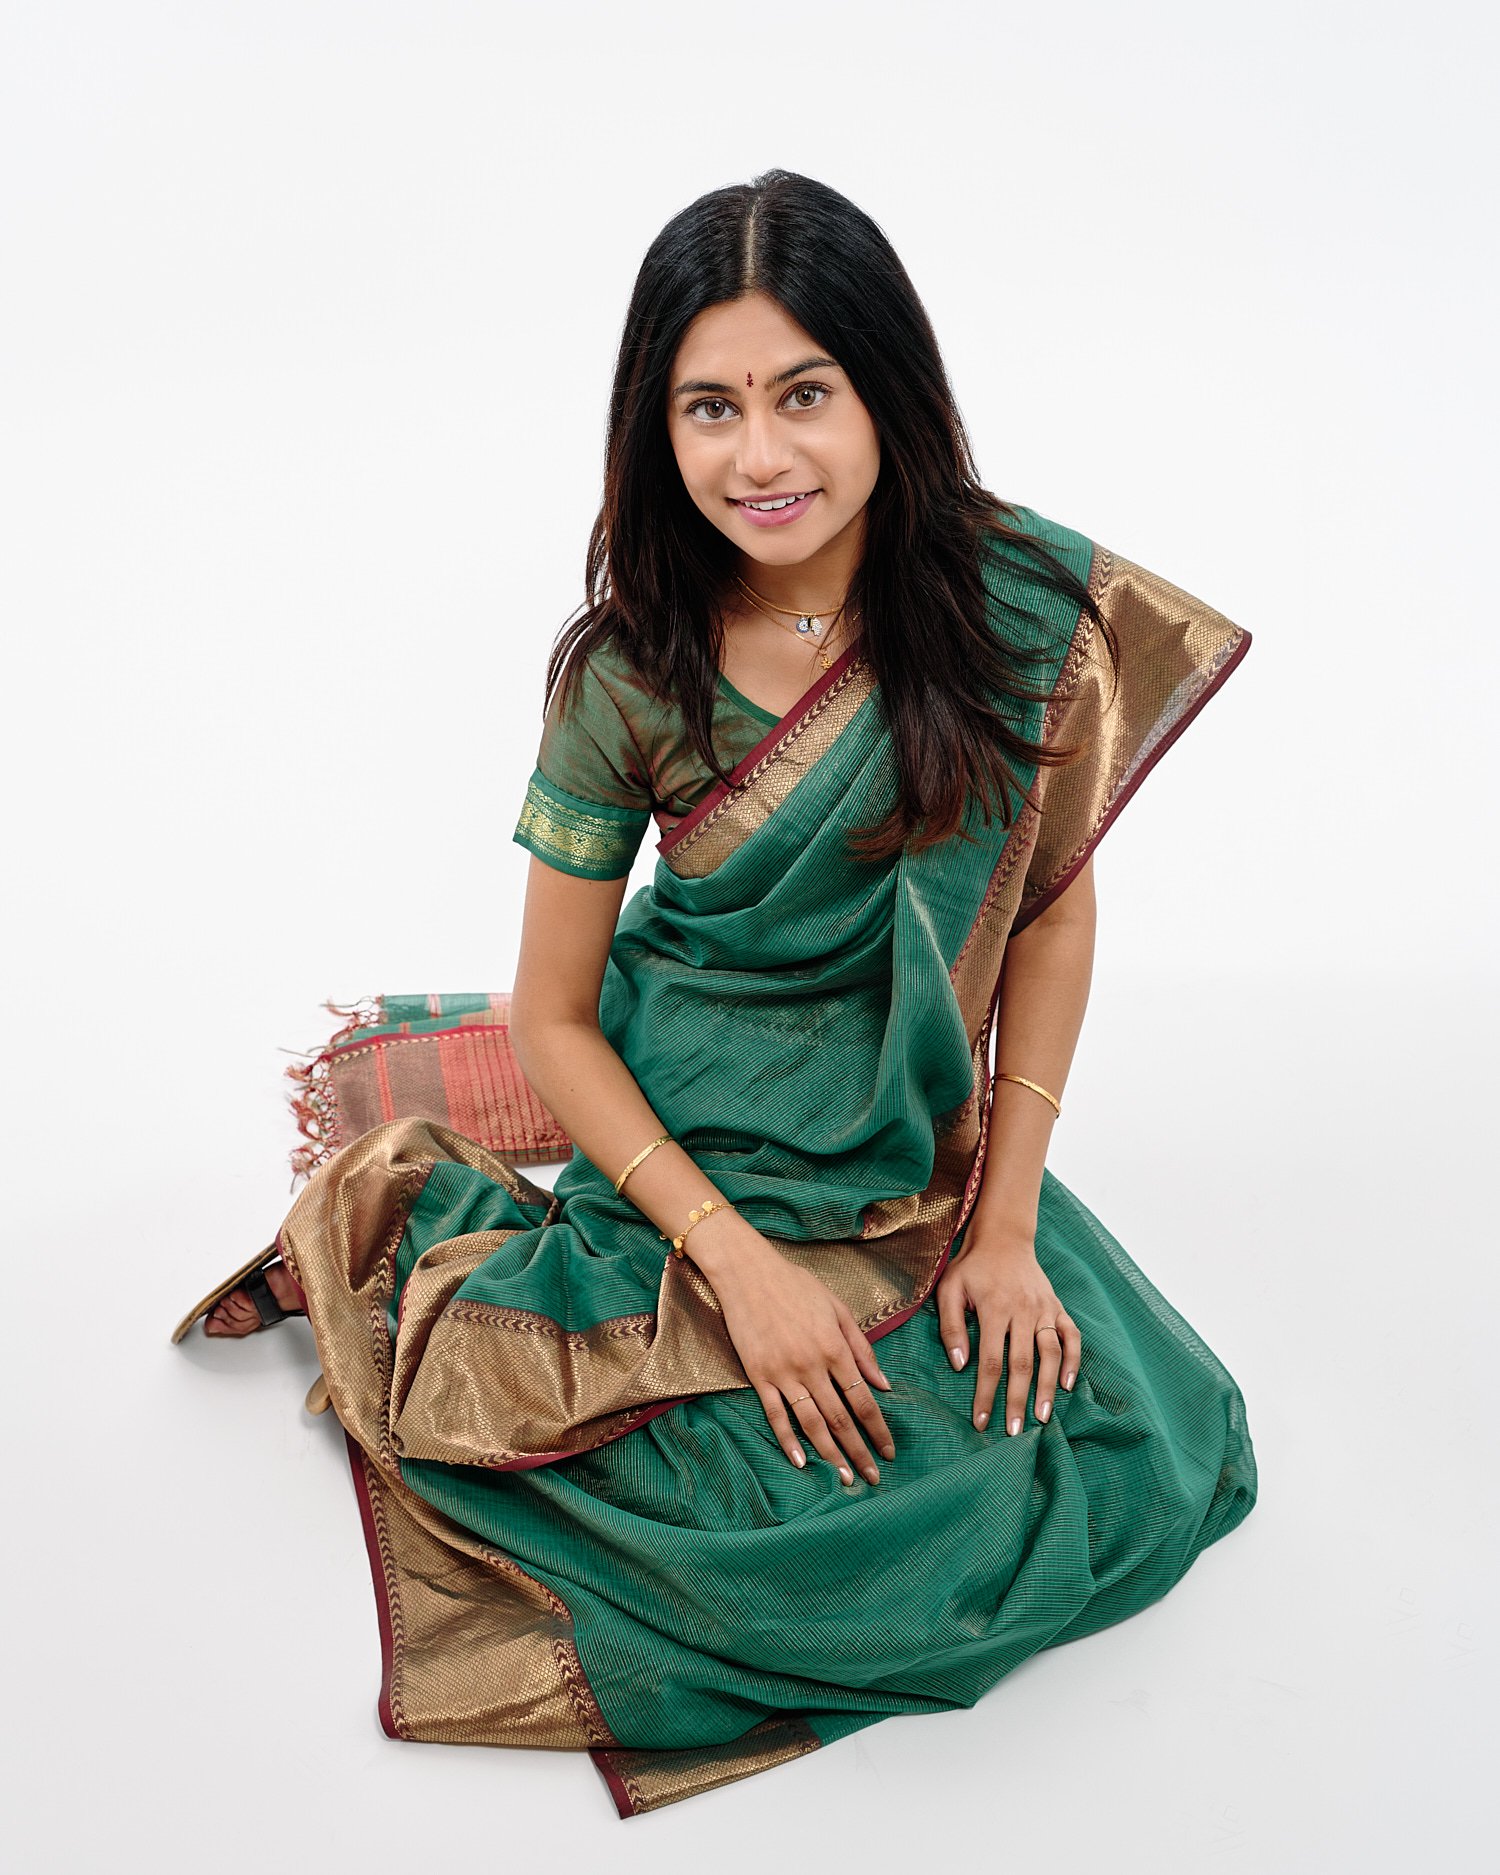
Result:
{"points": [[582, 1530]]}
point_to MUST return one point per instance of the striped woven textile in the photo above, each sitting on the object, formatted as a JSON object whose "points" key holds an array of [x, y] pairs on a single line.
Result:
{"points": [[444, 1058]]}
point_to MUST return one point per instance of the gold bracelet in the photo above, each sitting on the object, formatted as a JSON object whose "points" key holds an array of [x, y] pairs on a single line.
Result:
{"points": [[643, 1153], [1032, 1084], [706, 1209]]}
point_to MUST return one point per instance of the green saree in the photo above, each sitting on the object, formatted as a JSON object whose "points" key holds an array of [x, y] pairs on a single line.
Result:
{"points": [[582, 1530]]}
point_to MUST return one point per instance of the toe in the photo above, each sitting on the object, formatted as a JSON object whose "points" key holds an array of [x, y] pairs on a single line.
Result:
{"points": [[236, 1314]]}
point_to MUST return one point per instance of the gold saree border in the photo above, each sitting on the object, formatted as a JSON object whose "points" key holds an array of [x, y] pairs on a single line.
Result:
{"points": [[509, 1389], [732, 810], [1162, 628], [475, 1650], [646, 1780], [975, 972], [518, 1634]]}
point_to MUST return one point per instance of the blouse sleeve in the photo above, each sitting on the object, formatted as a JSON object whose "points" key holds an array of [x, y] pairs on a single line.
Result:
{"points": [[1174, 652], [587, 802]]}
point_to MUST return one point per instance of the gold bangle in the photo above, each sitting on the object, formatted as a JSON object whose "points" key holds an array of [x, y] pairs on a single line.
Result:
{"points": [[643, 1153], [696, 1216], [1032, 1084]]}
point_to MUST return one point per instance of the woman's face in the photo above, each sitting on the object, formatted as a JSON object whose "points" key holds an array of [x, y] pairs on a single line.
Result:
{"points": [[758, 411]]}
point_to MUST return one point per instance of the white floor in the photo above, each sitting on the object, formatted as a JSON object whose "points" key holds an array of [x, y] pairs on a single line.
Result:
{"points": [[309, 318], [196, 1657]]}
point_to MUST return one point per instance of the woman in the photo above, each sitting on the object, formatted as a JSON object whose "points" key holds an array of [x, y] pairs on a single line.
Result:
{"points": [[808, 1395]]}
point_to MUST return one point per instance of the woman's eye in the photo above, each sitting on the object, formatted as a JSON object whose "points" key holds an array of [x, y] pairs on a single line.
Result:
{"points": [[715, 406]]}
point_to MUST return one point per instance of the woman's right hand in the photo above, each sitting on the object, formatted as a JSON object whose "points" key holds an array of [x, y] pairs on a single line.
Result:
{"points": [[800, 1346]]}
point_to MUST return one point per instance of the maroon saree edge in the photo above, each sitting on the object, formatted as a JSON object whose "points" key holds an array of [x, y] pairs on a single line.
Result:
{"points": [[383, 1607], [1064, 879], [614, 1782], [530, 1461]]}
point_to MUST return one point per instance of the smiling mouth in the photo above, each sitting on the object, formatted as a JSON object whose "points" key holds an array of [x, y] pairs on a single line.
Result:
{"points": [[773, 502]]}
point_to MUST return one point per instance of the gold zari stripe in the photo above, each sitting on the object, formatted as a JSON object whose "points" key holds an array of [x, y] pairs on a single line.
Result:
{"points": [[576, 839]]}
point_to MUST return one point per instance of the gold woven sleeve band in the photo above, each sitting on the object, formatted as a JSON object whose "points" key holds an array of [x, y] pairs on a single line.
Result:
{"points": [[644, 1152]]}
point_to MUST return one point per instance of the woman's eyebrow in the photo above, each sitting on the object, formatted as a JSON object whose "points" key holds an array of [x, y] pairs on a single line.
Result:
{"points": [[807, 364]]}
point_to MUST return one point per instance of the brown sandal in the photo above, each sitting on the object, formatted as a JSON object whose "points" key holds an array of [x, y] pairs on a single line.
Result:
{"points": [[251, 1278]]}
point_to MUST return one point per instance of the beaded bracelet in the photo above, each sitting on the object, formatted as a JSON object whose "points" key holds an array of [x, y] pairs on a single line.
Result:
{"points": [[706, 1209]]}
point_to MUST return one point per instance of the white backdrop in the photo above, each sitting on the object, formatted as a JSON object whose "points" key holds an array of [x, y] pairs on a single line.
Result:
{"points": [[308, 326]]}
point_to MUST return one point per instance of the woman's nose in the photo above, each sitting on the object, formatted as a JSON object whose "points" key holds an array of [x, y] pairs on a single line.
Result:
{"points": [[762, 454]]}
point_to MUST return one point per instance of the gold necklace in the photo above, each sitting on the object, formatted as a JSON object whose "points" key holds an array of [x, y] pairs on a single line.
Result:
{"points": [[809, 624], [823, 657]]}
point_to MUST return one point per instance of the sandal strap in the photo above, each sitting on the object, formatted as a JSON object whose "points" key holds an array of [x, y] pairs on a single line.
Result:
{"points": [[261, 1294]]}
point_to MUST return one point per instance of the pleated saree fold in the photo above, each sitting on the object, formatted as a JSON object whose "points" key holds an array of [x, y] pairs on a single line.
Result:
{"points": [[582, 1532]]}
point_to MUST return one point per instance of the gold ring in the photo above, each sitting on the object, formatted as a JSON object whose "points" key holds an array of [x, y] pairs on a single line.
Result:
{"points": [[1049, 1328], [850, 1385], [799, 1399]]}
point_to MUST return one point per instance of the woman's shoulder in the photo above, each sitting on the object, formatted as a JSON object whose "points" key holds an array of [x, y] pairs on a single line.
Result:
{"points": [[596, 670], [1010, 542], [597, 732], [1033, 610], [606, 680]]}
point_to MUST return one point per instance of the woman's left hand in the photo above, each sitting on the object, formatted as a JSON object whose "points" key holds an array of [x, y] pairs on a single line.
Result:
{"points": [[999, 1277]]}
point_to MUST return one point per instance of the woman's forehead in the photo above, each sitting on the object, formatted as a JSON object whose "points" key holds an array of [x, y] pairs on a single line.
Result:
{"points": [[751, 335]]}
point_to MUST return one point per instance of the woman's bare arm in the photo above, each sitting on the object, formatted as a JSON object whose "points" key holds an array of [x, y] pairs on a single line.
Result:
{"points": [[565, 938], [1044, 991], [798, 1342]]}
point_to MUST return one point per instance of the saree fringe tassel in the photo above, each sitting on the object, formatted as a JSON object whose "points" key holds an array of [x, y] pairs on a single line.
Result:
{"points": [[455, 1065], [314, 1100]]}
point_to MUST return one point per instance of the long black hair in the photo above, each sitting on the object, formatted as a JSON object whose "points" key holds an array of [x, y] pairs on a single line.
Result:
{"points": [[658, 572]]}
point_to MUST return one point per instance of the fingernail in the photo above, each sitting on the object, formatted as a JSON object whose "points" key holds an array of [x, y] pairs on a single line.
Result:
{"points": [[846, 1474], [981, 1420], [1015, 1427], [883, 1381], [1068, 1380], [799, 1457], [958, 1356], [888, 1451], [1044, 1411], [873, 1475]]}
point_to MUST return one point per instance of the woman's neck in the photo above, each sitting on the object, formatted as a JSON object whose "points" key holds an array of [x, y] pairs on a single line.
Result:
{"points": [[817, 584]]}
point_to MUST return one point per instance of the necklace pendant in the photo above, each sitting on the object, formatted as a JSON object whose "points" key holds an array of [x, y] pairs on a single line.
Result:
{"points": [[807, 623]]}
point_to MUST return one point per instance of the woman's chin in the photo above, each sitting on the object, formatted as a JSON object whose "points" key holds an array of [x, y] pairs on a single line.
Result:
{"points": [[782, 546]]}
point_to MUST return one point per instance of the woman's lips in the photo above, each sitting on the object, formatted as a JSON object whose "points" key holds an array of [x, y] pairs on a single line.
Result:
{"points": [[776, 517]]}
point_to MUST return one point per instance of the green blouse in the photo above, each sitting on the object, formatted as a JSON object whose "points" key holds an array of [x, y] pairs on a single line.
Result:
{"points": [[623, 755], [615, 758]]}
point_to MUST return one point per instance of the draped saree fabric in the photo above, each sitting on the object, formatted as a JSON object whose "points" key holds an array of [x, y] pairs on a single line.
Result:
{"points": [[582, 1530]]}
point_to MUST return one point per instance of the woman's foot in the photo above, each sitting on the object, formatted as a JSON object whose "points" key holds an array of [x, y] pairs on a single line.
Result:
{"points": [[236, 1314]]}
